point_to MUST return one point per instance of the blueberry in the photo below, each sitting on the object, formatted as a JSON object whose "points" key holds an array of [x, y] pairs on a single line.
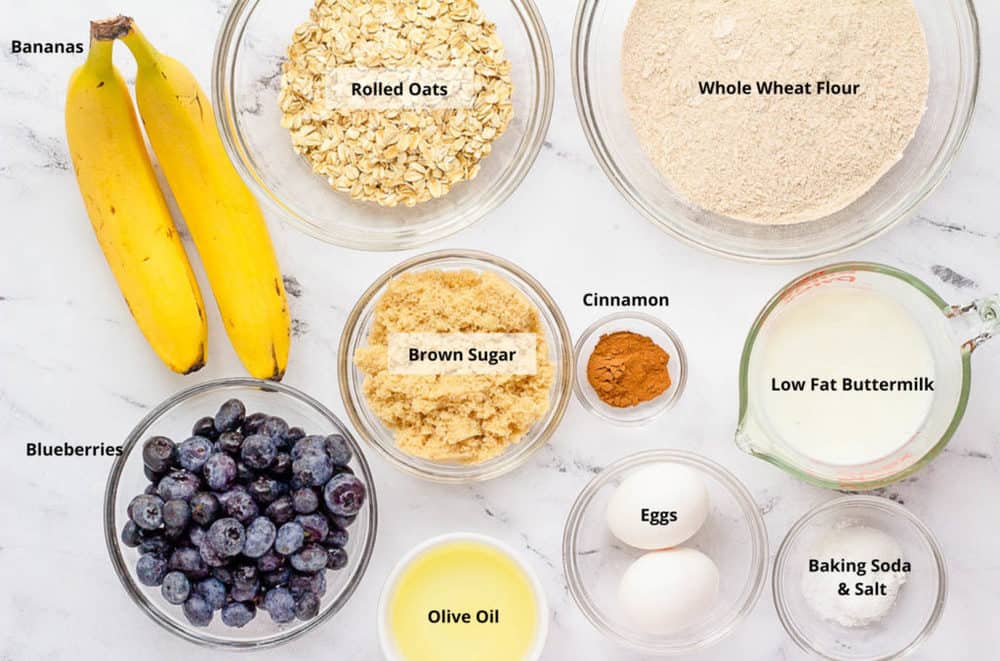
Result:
{"points": [[337, 538], [197, 611], [259, 451], [265, 490], [230, 415], [270, 561], [176, 514], [305, 501], [150, 569], [310, 559], [344, 494], [238, 614], [226, 537], [192, 453], [238, 504], [246, 592], [213, 591], [154, 478], [339, 449], [300, 584], [276, 578], [245, 575], [290, 538], [205, 508], [188, 560], [292, 435], [280, 605], [341, 521], [212, 558], [315, 525], [281, 511], [174, 534], [336, 558], [313, 468], [222, 574], [230, 442], [196, 535], [260, 537], [205, 427], [155, 546], [307, 444], [282, 466], [219, 471], [178, 485], [307, 606], [158, 454], [176, 588], [146, 512], [274, 427], [253, 423], [131, 535]]}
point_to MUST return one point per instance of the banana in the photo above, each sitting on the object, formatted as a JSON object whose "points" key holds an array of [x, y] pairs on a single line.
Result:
{"points": [[222, 214], [128, 211]]}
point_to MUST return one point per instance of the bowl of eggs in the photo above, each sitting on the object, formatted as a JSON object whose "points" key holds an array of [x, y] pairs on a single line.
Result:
{"points": [[665, 552]]}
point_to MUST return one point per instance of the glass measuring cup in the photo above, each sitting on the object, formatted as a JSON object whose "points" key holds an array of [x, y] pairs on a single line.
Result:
{"points": [[953, 333]]}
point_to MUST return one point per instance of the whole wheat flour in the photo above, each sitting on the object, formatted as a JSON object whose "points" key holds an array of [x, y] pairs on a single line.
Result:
{"points": [[699, 80]]}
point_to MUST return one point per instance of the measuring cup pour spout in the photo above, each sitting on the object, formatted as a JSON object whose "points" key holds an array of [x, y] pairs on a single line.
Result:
{"points": [[982, 318]]}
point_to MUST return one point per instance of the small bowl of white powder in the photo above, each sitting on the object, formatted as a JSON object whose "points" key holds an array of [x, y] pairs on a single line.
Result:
{"points": [[859, 577]]}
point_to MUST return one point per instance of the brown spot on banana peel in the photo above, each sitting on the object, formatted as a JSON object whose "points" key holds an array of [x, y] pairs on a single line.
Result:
{"points": [[278, 373], [198, 364]]}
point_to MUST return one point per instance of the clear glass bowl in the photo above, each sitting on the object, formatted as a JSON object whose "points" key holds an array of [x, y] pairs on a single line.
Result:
{"points": [[174, 419], [381, 437], [734, 537], [246, 80], [386, 642], [952, 31], [918, 606], [643, 324]]}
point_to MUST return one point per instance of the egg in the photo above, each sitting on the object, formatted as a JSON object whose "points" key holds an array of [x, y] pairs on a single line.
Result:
{"points": [[658, 506], [665, 591]]}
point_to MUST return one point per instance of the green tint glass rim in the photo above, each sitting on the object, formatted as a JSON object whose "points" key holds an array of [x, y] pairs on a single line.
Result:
{"points": [[869, 267]]}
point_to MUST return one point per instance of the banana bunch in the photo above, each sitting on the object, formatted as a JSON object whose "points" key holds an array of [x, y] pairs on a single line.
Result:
{"points": [[132, 221]]}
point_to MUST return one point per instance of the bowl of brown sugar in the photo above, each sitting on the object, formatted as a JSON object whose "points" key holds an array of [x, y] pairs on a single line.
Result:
{"points": [[631, 367]]}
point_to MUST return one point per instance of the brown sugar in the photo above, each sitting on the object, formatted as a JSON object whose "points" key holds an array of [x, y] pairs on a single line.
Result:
{"points": [[627, 369]]}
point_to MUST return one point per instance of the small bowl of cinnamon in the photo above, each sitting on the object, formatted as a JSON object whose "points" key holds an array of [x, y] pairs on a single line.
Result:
{"points": [[631, 367]]}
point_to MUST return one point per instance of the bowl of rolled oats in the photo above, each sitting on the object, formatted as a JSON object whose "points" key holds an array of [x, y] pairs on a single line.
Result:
{"points": [[383, 124]]}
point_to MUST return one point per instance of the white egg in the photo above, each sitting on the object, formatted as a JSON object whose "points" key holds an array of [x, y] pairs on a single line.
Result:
{"points": [[658, 506], [665, 591]]}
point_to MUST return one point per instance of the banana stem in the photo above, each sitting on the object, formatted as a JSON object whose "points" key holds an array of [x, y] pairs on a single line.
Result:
{"points": [[99, 56], [143, 51]]}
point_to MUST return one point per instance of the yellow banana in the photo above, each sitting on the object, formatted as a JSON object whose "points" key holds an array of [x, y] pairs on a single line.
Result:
{"points": [[224, 218], [128, 212]]}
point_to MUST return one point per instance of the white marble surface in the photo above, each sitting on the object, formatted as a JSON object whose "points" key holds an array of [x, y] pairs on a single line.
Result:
{"points": [[74, 367]]}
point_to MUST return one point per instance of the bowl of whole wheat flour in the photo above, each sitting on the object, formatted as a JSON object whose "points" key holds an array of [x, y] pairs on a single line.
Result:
{"points": [[776, 131]]}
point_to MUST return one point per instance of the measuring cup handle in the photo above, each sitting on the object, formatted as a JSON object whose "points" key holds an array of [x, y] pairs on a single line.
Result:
{"points": [[986, 323]]}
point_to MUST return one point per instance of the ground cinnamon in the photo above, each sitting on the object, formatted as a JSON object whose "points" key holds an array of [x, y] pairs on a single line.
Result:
{"points": [[627, 369]]}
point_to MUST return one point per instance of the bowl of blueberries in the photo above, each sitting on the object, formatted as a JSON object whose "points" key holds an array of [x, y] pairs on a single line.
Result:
{"points": [[241, 514]]}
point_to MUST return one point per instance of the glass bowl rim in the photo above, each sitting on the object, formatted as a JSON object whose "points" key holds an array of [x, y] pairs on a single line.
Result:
{"points": [[871, 503], [224, 60], [561, 344], [755, 525], [542, 602], [113, 544], [904, 208], [680, 375]]}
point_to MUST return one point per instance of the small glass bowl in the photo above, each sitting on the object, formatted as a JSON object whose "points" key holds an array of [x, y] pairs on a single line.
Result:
{"points": [[918, 606], [246, 79], [381, 438], [174, 418], [733, 536], [643, 324], [952, 31], [385, 638]]}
